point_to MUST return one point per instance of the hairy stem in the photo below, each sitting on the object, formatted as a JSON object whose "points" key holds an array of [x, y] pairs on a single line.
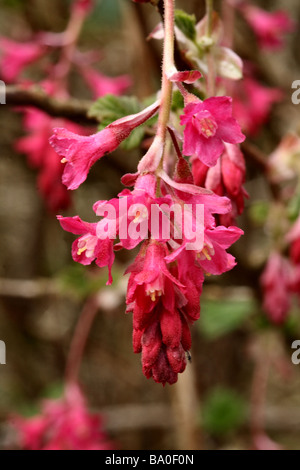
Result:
{"points": [[168, 62], [211, 76]]}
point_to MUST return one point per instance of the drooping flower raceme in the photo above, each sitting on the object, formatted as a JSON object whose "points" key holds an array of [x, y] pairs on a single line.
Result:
{"points": [[176, 223]]}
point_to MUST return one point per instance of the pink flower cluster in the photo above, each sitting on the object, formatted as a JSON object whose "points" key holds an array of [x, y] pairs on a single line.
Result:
{"points": [[64, 424], [166, 278]]}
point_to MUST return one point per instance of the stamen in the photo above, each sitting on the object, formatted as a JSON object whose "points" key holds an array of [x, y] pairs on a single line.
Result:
{"points": [[206, 254], [137, 216], [81, 250], [207, 127]]}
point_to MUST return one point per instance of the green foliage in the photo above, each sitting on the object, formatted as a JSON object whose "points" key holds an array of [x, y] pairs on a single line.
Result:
{"points": [[259, 212], [219, 317], [224, 411], [186, 23], [13, 3], [177, 102], [109, 108]]}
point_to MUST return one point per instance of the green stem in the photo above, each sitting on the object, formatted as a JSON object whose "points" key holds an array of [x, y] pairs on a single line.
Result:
{"points": [[209, 13], [153, 160], [210, 57]]}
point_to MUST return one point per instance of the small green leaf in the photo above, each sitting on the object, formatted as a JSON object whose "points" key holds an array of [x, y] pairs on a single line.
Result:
{"points": [[109, 108], [135, 138], [223, 411], [259, 212], [186, 23], [219, 317], [177, 102]]}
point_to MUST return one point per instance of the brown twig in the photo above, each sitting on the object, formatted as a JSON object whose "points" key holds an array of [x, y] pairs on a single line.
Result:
{"points": [[80, 338], [72, 109]]}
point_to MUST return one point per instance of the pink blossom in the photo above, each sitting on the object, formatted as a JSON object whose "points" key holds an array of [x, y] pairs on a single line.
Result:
{"points": [[276, 281], [208, 125], [226, 178], [268, 27], [15, 56], [89, 247], [81, 152], [64, 424], [252, 104], [102, 85]]}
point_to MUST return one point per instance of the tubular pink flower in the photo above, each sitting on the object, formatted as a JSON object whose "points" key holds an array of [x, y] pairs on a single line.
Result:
{"points": [[89, 247], [80, 152], [208, 125]]}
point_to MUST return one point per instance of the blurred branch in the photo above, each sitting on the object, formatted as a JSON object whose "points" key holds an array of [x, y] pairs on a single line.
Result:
{"points": [[28, 289], [72, 109], [80, 338]]}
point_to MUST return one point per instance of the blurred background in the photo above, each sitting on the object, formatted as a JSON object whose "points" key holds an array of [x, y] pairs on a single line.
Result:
{"points": [[241, 369]]}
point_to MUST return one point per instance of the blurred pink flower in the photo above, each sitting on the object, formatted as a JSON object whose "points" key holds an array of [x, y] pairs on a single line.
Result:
{"points": [[208, 124], [41, 156], [102, 85], [268, 27], [64, 424], [15, 56], [276, 284], [252, 104]]}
